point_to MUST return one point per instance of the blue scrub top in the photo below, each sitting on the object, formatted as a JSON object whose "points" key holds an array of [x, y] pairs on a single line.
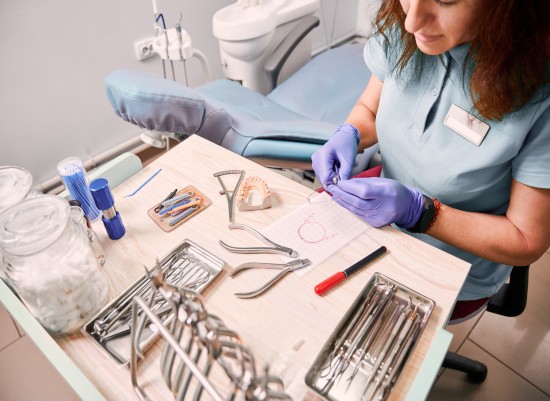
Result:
{"points": [[419, 150]]}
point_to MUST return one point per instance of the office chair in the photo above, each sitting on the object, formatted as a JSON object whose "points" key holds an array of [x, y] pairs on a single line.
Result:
{"points": [[510, 301], [281, 129]]}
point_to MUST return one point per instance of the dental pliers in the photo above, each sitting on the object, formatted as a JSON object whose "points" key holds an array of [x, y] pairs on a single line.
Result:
{"points": [[284, 267], [283, 250]]}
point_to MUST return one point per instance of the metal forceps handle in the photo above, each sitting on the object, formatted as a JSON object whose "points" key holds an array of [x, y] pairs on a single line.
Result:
{"points": [[275, 249]]}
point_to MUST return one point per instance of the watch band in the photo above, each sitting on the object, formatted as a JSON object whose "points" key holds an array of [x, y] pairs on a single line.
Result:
{"points": [[428, 216]]}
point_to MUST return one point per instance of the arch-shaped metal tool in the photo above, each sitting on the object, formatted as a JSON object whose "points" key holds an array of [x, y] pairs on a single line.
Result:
{"points": [[230, 195]]}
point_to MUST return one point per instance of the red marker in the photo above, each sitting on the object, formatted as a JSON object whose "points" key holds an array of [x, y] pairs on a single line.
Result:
{"points": [[330, 282]]}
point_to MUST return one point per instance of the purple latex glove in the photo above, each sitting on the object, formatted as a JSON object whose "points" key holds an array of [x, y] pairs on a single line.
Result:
{"points": [[336, 157], [380, 201]]}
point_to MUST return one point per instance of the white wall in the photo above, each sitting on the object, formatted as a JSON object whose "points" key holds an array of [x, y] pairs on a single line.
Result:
{"points": [[55, 55]]}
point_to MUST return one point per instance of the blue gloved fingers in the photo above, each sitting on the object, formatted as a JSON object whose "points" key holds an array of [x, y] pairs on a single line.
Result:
{"points": [[348, 136], [365, 188], [369, 213], [380, 201], [336, 157], [323, 164], [344, 170]]}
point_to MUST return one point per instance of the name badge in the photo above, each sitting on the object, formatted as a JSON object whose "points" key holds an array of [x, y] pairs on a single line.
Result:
{"points": [[466, 125]]}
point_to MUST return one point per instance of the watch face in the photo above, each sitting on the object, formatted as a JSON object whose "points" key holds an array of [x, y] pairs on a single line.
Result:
{"points": [[425, 218]]}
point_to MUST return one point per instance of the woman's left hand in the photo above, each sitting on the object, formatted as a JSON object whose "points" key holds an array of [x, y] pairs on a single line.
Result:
{"points": [[380, 201]]}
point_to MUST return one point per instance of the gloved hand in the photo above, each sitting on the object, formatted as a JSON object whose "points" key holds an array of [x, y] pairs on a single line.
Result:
{"points": [[380, 201], [337, 156]]}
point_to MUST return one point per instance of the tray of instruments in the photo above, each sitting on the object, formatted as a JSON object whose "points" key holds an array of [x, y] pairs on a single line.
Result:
{"points": [[364, 356], [186, 265]]}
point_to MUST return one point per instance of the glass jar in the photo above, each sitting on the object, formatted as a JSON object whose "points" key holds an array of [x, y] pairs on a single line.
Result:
{"points": [[15, 186], [50, 264], [77, 214]]}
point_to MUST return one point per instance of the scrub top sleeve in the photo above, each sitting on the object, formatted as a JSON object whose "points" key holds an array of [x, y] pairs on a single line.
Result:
{"points": [[531, 166], [375, 55]]}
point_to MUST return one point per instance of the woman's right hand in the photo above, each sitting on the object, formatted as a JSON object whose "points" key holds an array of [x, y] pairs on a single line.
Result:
{"points": [[336, 157]]}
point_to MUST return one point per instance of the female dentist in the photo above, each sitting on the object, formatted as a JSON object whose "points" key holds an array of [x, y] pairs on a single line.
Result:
{"points": [[459, 105]]}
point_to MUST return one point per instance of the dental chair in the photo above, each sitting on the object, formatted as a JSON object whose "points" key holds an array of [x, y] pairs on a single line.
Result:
{"points": [[281, 129]]}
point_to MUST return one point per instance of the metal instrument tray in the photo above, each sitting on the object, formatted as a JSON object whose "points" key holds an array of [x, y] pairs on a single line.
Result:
{"points": [[364, 356], [186, 265]]}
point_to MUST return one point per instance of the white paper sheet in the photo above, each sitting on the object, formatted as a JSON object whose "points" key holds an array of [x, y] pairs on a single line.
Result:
{"points": [[316, 230]]}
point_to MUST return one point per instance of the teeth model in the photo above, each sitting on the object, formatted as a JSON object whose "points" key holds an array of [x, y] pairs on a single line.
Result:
{"points": [[253, 195]]}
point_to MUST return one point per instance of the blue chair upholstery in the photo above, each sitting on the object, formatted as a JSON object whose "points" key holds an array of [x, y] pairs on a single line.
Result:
{"points": [[282, 129]]}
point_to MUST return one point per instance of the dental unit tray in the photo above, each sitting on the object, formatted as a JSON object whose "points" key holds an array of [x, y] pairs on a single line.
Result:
{"points": [[187, 265], [366, 353]]}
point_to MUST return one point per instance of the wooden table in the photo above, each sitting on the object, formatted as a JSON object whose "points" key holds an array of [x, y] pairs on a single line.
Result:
{"points": [[288, 325]]}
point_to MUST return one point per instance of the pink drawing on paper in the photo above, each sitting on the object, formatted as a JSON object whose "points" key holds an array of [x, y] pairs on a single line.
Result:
{"points": [[314, 232]]}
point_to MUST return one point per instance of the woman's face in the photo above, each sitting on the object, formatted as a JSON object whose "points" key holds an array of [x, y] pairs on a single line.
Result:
{"points": [[440, 25]]}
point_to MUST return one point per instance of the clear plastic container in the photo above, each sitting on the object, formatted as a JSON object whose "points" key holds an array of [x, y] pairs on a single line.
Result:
{"points": [[50, 264], [16, 184]]}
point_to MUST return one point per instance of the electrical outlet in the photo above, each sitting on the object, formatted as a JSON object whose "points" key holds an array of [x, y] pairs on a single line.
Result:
{"points": [[144, 48]]}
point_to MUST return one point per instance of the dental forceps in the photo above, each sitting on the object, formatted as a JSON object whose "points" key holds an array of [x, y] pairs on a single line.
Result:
{"points": [[284, 267], [283, 250]]}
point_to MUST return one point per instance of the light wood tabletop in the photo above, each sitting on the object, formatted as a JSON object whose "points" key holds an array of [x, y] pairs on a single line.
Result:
{"points": [[286, 326]]}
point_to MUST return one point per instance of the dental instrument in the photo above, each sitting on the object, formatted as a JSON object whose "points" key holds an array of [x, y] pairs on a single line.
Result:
{"points": [[230, 197], [185, 202], [372, 320], [276, 248], [171, 213], [372, 343], [284, 267], [103, 198], [176, 199], [403, 336], [387, 341], [196, 343], [178, 208], [337, 278], [144, 183], [187, 266], [180, 46], [160, 206], [186, 213]]}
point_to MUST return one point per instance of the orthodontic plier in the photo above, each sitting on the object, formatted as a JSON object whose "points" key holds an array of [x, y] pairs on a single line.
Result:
{"points": [[283, 267], [283, 250]]}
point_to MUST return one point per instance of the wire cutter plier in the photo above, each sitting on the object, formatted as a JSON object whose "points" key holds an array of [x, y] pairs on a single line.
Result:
{"points": [[283, 267], [276, 248]]}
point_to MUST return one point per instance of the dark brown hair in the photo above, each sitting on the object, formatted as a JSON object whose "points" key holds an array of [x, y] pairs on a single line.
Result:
{"points": [[509, 53]]}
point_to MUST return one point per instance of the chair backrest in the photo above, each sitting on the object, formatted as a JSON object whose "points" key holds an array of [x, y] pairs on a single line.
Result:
{"points": [[511, 299], [328, 86]]}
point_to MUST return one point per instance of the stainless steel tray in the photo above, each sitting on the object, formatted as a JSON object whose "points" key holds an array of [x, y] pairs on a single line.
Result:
{"points": [[364, 356], [186, 265]]}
